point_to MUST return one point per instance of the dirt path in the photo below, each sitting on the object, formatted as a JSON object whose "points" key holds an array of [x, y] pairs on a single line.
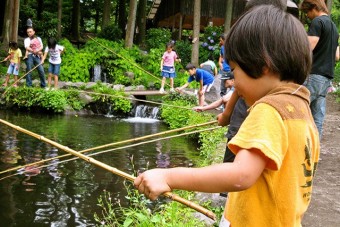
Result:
{"points": [[324, 210]]}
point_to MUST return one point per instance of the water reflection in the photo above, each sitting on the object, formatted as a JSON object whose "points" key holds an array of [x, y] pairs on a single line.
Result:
{"points": [[65, 194]]}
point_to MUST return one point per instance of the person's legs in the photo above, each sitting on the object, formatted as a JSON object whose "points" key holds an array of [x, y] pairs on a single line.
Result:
{"points": [[15, 81], [318, 86], [56, 71], [162, 85], [172, 84], [6, 80], [41, 72], [56, 81], [29, 65]]}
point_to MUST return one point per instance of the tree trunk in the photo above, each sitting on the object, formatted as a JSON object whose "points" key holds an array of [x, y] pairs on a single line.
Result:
{"points": [[15, 20], [75, 20], [2, 13], [106, 13], [122, 16], [196, 32], [40, 9], [6, 26], [228, 15], [60, 10], [141, 22], [131, 24]]}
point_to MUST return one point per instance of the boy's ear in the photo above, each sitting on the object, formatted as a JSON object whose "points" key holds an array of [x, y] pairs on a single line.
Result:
{"points": [[265, 70]]}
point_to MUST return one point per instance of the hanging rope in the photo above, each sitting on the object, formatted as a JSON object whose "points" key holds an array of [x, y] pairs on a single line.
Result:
{"points": [[111, 169], [113, 144], [133, 63]]}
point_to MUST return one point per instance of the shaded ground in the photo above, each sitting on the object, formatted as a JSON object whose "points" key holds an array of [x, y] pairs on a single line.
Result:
{"points": [[324, 209]]}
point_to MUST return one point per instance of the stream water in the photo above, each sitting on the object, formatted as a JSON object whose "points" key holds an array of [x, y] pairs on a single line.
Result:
{"points": [[66, 194]]}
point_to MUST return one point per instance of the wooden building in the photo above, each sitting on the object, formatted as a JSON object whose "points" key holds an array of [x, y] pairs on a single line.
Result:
{"points": [[178, 14]]}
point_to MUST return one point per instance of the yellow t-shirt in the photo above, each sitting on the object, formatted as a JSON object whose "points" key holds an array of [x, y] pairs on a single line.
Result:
{"points": [[281, 126], [15, 55]]}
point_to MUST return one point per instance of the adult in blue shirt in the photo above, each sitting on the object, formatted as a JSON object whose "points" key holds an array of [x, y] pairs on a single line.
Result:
{"points": [[200, 75]]}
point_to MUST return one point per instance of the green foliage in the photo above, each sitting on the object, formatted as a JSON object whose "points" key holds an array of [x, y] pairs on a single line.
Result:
{"points": [[210, 43], [113, 97], [29, 98], [158, 38], [139, 214], [172, 114], [183, 49], [111, 32], [47, 27], [76, 64]]}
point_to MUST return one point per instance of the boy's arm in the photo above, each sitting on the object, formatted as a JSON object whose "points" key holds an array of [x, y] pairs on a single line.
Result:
{"points": [[236, 176], [211, 106], [224, 118], [184, 86], [337, 54]]}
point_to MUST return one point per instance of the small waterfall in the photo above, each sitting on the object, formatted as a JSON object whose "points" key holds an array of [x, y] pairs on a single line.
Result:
{"points": [[145, 114], [97, 71], [144, 111]]}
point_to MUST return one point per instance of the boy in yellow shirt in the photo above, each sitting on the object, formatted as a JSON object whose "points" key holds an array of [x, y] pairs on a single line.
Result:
{"points": [[277, 147], [14, 55]]}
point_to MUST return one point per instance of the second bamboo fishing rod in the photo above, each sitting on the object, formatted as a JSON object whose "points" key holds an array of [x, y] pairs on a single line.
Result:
{"points": [[112, 144], [169, 195]]}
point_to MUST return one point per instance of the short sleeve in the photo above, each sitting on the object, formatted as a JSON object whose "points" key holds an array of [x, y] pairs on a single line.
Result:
{"points": [[315, 28], [265, 131]]}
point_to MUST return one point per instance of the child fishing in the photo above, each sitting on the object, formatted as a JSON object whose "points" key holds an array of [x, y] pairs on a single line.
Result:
{"points": [[203, 77], [54, 50], [168, 67], [14, 55], [277, 147]]}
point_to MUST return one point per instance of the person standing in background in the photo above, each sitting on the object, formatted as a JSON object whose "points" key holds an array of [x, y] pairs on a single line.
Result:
{"points": [[323, 37]]}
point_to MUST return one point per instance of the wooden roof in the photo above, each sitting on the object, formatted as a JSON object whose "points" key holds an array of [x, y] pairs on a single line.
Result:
{"points": [[168, 13]]}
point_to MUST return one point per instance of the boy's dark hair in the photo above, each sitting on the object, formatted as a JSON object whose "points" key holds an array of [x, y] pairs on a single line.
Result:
{"points": [[223, 36], [190, 66], [13, 45], [51, 43], [273, 39], [319, 5], [278, 3]]}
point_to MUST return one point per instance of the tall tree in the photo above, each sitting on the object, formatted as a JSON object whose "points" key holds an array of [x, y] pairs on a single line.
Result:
{"points": [[141, 22], [228, 15], [130, 29], [75, 20], [11, 21], [106, 13], [40, 9], [60, 10], [122, 15], [196, 32]]}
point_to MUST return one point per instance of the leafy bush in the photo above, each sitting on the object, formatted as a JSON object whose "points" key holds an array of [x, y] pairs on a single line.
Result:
{"points": [[158, 38], [210, 43], [111, 32]]}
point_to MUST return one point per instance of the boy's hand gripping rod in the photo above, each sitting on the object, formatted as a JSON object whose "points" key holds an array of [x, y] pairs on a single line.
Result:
{"points": [[170, 195]]}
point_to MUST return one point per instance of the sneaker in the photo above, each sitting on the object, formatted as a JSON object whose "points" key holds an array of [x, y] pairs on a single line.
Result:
{"points": [[172, 90], [161, 90], [47, 88]]}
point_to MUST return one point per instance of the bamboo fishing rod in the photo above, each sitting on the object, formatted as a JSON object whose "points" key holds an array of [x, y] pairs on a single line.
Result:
{"points": [[36, 164], [112, 144], [21, 78], [135, 99], [113, 170], [133, 63]]}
